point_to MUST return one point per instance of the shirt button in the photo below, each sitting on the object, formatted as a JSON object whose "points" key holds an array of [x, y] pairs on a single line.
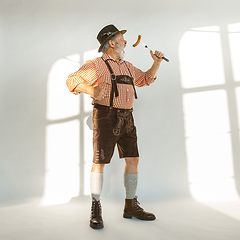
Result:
{"points": [[127, 89], [127, 99]]}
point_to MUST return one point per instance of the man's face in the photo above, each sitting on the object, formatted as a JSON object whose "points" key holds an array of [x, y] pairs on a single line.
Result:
{"points": [[120, 45], [120, 39]]}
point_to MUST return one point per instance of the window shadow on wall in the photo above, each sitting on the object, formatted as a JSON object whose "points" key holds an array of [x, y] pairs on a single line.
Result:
{"points": [[210, 76]]}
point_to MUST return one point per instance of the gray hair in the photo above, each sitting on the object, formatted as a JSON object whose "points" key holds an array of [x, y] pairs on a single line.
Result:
{"points": [[106, 46]]}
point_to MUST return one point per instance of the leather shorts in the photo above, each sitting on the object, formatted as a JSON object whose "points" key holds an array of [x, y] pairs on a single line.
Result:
{"points": [[113, 126]]}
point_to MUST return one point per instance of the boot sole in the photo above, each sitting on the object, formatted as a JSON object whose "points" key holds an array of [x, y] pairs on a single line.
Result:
{"points": [[145, 219], [96, 226]]}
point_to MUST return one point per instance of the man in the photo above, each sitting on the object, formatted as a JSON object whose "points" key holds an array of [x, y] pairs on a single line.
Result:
{"points": [[111, 81]]}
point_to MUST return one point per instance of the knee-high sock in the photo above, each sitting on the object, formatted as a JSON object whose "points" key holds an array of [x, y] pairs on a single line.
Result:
{"points": [[96, 183], [130, 183]]}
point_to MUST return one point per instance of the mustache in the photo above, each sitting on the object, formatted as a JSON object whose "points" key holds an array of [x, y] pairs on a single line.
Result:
{"points": [[121, 46]]}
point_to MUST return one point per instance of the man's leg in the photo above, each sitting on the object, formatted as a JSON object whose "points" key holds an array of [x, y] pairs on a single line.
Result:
{"points": [[131, 176], [96, 183], [96, 180], [131, 165], [132, 208]]}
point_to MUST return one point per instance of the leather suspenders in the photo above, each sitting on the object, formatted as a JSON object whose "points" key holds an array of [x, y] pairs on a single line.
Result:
{"points": [[115, 79], [114, 89]]}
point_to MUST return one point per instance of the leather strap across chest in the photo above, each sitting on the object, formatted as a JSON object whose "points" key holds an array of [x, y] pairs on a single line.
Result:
{"points": [[121, 79]]}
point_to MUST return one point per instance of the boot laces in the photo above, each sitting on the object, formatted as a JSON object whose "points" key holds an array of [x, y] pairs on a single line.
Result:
{"points": [[96, 208], [137, 203]]}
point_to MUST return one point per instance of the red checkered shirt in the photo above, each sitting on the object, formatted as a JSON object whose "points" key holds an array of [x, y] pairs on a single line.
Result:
{"points": [[95, 71]]}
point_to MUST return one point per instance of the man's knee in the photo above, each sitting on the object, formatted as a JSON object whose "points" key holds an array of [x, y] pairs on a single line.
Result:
{"points": [[132, 160], [98, 168]]}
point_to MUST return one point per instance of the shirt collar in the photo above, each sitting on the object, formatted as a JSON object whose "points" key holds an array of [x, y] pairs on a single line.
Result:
{"points": [[105, 56]]}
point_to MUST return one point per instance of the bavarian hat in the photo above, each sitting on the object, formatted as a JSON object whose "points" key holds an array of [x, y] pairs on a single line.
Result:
{"points": [[106, 33]]}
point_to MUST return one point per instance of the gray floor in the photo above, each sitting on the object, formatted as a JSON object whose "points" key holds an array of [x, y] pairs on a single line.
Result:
{"points": [[176, 220]]}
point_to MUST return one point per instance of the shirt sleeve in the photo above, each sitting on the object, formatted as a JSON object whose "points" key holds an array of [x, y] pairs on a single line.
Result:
{"points": [[141, 78], [87, 74]]}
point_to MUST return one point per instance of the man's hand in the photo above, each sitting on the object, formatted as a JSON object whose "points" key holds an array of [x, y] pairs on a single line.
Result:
{"points": [[99, 92], [157, 56]]}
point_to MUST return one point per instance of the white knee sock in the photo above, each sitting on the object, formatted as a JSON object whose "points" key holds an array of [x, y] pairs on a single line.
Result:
{"points": [[96, 183], [130, 183]]}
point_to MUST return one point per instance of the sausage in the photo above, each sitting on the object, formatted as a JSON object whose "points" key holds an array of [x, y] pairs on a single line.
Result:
{"points": [[138, 41]]}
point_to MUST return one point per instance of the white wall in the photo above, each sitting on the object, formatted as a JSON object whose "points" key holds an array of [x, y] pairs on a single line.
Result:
{"points": [[36, 34]]}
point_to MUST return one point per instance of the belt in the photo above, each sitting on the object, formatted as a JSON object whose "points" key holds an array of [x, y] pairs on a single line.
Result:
{"points": [[103, 107]]}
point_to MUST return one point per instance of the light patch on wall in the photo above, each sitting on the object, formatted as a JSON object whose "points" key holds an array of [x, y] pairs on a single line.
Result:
{"points": [[62, 139], [210, 168], [234, 40], [61, 104], [208, 146], [62, 163], [206, 113], [201, 59]]}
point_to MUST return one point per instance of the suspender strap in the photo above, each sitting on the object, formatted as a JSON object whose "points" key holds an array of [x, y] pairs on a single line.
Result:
{"points": [[135, 93], [114, 89]]}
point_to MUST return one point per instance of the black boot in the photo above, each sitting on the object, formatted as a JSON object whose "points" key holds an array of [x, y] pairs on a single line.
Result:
{"points": [[132, 209], [96, 221]]}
